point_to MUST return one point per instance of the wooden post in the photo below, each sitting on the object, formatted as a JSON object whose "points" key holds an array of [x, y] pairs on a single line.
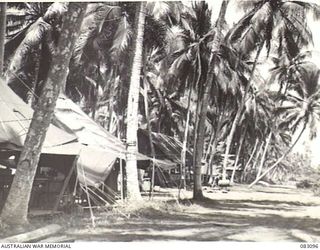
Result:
{"points": [[65, 184]]}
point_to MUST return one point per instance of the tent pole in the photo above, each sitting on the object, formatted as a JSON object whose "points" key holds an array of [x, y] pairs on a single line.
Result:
{"points": [[121, 168], [65, 184], [88, 196], [152, 177], [121, 181]]}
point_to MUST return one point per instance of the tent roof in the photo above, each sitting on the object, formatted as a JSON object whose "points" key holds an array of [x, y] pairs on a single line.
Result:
{"points": [[69, 116], [15, 118], [99, 148]]}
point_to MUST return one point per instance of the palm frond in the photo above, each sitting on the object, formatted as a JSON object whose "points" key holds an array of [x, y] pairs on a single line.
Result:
{"points": [[96, 15], [158, 9], [178, 66], [295, 21], [310, 7], [122, 37], [248, 5]]}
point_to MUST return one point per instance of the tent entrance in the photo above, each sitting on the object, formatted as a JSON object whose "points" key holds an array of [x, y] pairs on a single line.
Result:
{"points": [[53, 183]]}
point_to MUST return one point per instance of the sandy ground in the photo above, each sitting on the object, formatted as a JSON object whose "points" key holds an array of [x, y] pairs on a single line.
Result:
{"points": [[268, 214]]}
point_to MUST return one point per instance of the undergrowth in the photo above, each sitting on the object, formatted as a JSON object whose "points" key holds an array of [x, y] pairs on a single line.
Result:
{"points": [[148, 208]]}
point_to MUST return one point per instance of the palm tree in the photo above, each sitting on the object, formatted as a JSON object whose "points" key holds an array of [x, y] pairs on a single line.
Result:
{"points": [[134, 90], [16, 207], [270, 21], [265, 19], [23, 59], [301, 107], [133, 104], [192, 56], [94, 70], [40, 30], [214, 63]]}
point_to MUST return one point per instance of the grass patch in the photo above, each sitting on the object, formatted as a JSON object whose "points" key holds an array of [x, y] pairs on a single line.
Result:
{"points": [[149, 208]]}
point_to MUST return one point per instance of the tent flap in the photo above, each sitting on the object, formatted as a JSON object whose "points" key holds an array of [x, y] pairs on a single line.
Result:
{"points": [[15, 119]]}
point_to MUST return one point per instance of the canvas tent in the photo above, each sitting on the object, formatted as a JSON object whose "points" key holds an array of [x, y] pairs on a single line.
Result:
{"points": [[72, 132], [58, 153], [99, 148], [15, 119]]}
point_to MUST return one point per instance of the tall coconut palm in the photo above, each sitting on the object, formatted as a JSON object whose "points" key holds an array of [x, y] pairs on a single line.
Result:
{"points": [[15, 209], [281, 21], [43, 29], [187, 61], [134, 90], [301, 108], [193, 57], [214, 63], [286, 20], [38, 41], [133, 104]]}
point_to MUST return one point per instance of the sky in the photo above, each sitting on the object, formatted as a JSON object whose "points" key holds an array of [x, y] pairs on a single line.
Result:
{"points": [[232, 16]]}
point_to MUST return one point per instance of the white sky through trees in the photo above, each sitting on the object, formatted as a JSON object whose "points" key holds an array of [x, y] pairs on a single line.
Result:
{"points": [[232, 16]]}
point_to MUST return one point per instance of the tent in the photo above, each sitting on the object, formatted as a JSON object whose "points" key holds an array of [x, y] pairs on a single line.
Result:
{"points": [[72, 132], [99, 148], [58, 153], [15, 119]]}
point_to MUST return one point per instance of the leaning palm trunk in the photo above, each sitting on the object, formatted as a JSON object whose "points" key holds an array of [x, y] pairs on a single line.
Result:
{"points": [[250, 159], [238, 156], [3, 18], [255, 162], [280, 159], [264, 155], [34, 36], [16, 207], [254, 165], [238, 115], [200, 131], [133, 192], [213, 146], [184, 145]]}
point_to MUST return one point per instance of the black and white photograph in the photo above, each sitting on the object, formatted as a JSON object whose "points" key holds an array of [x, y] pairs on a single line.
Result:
{"points": [[159, 121]]}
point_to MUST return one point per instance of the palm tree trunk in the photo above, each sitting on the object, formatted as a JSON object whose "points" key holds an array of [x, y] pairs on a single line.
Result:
{"points": [[254, 166], [197, 188], [16, 207], [115, 79], [250, 159], [205, 157], [3, 21], [133, 192], [280, 159], [153, 154], [238, 155], [214, 146], [238, 116], [31, 42], [264, 154], [229, 142], [184, 144]]}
